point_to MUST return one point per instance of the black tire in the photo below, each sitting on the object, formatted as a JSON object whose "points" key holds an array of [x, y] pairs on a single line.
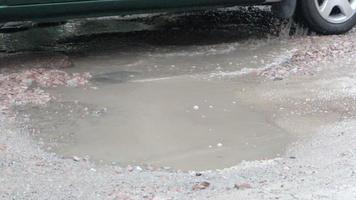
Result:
{"points": [[317, 23]]}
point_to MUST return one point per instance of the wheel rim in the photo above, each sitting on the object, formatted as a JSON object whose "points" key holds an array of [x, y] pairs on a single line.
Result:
{"points": [[336, 11]]}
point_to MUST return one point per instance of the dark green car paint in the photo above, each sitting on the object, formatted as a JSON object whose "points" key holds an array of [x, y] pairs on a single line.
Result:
{"points": [[29, 2], [56, 10]]}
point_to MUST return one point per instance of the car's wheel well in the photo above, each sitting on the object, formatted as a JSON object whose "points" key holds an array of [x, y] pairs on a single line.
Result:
{"points": [[285, 8]]}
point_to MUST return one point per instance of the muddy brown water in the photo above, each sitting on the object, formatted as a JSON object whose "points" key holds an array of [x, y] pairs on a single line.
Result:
{"points": [[180, 122], [167, 109], [160, 102]]}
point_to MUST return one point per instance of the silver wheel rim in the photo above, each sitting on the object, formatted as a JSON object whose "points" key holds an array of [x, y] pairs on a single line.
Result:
{"points": [[336, 11]]}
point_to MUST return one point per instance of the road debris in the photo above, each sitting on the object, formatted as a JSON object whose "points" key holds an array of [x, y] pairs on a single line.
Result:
{"points": [[76, 158], [304, 60], [27, 86], [242, 186], [201, 186], [3, 147]]}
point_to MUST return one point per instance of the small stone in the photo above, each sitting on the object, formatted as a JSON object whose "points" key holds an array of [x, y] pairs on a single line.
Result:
{"points": [[196, 107], [242, 186], [278, 79], [198, 174], [75, 158], [201, 186], [72, 83], [129, 168], [219, 145], [3, 147]]}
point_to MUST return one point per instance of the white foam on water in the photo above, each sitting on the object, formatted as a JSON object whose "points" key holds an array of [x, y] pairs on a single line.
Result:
{"points": [[245, 71], [200, 51]]}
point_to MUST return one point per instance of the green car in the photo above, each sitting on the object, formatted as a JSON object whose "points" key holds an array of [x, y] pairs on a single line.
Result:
{"points": [[323, 16]]}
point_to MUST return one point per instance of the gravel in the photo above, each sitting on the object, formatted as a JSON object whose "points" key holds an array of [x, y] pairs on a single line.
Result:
{"points": [[26, 86]]}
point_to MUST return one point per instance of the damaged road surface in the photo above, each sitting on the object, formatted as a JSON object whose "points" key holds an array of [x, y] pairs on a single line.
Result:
{"points": [[214, 105]]}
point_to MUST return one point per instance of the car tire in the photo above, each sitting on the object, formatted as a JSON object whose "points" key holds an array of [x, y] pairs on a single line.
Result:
{"points": [[316, 14]]}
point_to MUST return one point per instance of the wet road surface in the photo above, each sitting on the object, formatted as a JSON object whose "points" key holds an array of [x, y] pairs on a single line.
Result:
{"points": [[201, 90], [166, 90]]}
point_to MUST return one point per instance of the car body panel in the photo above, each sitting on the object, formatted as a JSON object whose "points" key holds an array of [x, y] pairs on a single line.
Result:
{"points": [[31, 2], [21, 10]]}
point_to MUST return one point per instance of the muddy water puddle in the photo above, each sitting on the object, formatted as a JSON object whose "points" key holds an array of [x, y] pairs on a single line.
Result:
{"points": [[180, 122], [161, 106], [159, 94]]}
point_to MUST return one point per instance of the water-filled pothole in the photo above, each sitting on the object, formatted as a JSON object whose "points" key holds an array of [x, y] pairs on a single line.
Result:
{"points": [[181, 123], [141, 114]]}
